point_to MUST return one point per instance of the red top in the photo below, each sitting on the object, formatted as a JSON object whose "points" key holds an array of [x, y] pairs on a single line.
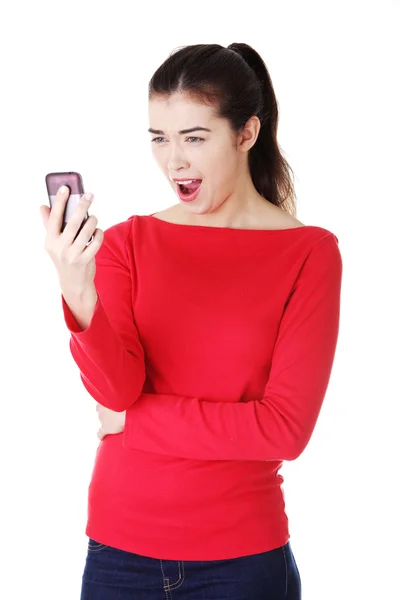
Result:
{"points": [[219, 344]]}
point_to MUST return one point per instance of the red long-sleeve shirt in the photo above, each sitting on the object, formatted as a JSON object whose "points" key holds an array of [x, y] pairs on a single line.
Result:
{"points": [[219, 344]]}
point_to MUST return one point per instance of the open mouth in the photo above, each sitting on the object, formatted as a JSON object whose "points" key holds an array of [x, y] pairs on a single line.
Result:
{"points": [[189, 190]]}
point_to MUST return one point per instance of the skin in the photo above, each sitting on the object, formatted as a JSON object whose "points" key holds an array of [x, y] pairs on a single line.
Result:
{"points": [[227, 198]]}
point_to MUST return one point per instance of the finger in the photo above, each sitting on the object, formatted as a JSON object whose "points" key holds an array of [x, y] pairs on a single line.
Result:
{"points": [[55, 220], [82, 241], [75, 221], [100, 408], [86, 234]]}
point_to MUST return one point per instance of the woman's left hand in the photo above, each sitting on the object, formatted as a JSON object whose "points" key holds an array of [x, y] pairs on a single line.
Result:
{"points": [[111, 422]]}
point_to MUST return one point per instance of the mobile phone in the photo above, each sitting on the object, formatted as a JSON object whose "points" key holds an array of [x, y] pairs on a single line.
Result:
{"points": [[74, 182]]}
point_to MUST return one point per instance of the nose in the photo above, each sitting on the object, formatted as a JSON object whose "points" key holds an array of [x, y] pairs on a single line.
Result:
{"points": [[176, 161]]}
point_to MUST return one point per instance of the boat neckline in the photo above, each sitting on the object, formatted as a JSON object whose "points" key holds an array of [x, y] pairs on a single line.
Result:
{"points": [[208, 227]]}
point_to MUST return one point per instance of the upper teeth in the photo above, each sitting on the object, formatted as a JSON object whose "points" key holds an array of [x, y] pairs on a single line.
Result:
{"points": [[187, 181]]}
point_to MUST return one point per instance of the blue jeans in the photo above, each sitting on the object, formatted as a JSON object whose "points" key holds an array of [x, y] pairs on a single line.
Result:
{"points": [[112, 574]]}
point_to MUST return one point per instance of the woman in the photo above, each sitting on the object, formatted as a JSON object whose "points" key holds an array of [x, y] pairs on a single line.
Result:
{"points": [[206, 334]]}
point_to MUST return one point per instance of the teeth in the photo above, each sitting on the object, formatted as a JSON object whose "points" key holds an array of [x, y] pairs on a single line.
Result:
{"points": [[188, 181]]}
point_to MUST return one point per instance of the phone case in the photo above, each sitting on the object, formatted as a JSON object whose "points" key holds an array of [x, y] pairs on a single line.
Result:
{"points": [[74, 182]]}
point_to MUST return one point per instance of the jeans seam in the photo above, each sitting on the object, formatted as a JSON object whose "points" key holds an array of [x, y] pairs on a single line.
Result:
{"points": [[179, 581], [96, 547]]}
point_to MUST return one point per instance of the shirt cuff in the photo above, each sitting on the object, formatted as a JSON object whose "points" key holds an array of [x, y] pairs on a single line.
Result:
{"points": [[72, 323]]}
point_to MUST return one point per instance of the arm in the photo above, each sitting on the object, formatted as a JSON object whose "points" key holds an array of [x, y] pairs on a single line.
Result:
{"points": [[81, 307], [108, 351], [279, 425]]}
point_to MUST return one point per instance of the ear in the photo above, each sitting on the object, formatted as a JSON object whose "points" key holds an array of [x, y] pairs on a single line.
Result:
{"points": [[249, 134]]}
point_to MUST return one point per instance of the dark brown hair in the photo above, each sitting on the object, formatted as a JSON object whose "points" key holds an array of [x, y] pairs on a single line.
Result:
{"points": [[236, 83]]}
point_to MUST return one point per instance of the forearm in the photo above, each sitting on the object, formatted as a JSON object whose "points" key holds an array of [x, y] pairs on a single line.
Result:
{"points": [[81, 305], [111, 364]]}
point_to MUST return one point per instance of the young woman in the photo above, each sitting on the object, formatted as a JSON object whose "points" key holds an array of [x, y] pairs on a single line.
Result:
{"points": [[206, 333]]}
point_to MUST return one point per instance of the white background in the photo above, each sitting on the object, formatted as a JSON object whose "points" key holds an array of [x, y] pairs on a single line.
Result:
{"points": [[74, 97]]}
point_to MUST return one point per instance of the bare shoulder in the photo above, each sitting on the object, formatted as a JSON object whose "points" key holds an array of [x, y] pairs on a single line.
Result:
{"points": [[287, 221], [274, 217], [271, 217]]}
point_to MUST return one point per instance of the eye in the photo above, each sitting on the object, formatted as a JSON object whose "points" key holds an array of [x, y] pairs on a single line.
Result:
{"points": [[199, 139]]}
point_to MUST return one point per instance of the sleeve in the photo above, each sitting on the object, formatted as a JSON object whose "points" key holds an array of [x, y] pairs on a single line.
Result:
{"points": [[108, 352], [279, 425]]}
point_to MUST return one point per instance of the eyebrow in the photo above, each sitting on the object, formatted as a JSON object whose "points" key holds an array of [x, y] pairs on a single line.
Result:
{"points": [[183, 131]]}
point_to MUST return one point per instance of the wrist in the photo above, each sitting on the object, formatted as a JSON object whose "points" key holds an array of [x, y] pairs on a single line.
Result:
{"points": [[82, 296], [82, 305]]}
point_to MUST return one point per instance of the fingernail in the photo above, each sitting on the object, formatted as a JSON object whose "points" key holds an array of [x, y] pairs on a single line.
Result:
{"points": [[62, 190], [88, 196]]}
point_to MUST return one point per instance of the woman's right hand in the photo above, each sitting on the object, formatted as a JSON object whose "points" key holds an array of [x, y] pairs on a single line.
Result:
{"points": [[74, 260]]}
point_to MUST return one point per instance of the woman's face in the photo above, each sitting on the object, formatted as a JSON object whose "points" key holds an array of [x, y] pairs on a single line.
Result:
{"points": [[212, 156]]}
